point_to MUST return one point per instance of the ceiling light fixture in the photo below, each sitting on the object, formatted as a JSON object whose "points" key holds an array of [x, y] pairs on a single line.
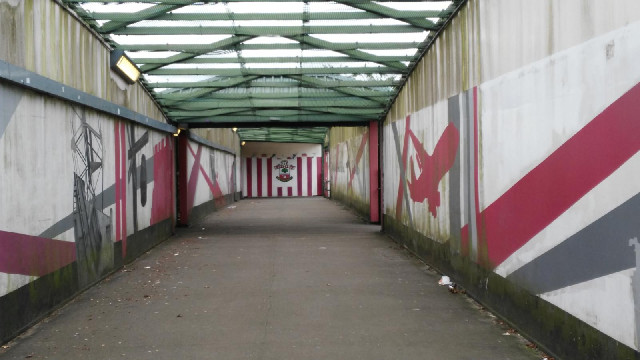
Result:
{"points": [[124, 67]]}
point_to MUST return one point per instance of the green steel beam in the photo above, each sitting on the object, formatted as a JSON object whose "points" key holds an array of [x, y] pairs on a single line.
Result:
{"points": [[181, 2], [290, 46], [386, 12], [276, 71], [215, 83], [326, 94], [231, 41], [347, 15], [270, 60], [146, 14], [357, 54], [268, 30], [329, 119], [297, 93], [277, 103], [275, 112], [320, 83]]}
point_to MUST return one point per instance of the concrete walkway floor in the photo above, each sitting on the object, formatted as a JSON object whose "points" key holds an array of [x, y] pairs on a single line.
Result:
{"points": [[272, 279]]}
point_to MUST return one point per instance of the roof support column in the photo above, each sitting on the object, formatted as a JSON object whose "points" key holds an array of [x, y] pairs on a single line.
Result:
{"points": [[182, 190]]}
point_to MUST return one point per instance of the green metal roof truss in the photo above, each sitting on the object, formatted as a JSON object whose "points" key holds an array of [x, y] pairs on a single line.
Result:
{"points": [[256, 64]]}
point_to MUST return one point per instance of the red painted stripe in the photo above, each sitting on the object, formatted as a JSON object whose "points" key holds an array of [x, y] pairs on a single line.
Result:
{"points": [[249, 178], [123, 187], [32, 255], [279, 192], [365, 139], [575, 168], [162, 195], [117, 180], [270, 177], [405, 147], [214, 187], [299, 180], [290, 191], [319, 176], [309, 177], [193, 177], [259, 175]]}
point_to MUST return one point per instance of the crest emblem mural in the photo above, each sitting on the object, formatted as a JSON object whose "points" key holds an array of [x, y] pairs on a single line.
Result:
{"points": [[284, 169]]}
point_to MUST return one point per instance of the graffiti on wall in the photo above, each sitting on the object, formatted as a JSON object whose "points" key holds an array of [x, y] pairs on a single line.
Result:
{"points": [[92, 227]]}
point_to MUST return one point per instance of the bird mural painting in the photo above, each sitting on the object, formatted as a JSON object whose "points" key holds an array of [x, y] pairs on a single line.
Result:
{"points": [[432, 167]]}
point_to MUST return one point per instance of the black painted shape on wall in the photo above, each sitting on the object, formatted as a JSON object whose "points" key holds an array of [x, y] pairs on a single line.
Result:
{"points": [[9, 100], [105, 198], [143, 180], [135, 146], [454, 181], [92, 228]]}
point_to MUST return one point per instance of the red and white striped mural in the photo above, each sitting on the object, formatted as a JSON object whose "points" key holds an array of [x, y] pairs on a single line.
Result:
{"points": [[281, 177]]}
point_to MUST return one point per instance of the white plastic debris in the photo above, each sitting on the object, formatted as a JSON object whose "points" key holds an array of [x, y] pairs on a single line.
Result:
{"points": [[444, 280], [231, 207]]}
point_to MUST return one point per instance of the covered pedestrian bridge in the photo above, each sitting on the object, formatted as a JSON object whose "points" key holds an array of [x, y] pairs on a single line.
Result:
{"points": [[497, 141]]}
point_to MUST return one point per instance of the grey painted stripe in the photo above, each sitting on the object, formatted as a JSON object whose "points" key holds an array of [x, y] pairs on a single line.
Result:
{"points": [[635, 286], [403, 177], [470, 186], [106, 198], [600, 249], [454, 180], [36, 82], [210, 144], [9, 100]]}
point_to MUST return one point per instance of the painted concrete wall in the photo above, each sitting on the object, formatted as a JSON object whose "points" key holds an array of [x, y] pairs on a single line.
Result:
{"points": [[212, 178], [512, 154], [82, 191], [281, 169], [349, 166], [42, 37], [224, 137]]}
